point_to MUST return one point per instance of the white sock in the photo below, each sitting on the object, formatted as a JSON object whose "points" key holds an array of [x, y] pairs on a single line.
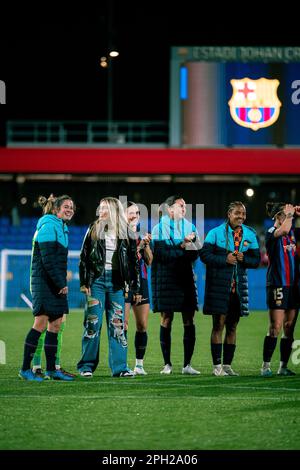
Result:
{"points": [[57, 367], [266, 365], [139, 362], [34, 368]]}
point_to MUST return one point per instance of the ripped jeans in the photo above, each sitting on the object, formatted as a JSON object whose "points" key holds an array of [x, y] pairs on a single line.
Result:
{"points": [[104, 296]]}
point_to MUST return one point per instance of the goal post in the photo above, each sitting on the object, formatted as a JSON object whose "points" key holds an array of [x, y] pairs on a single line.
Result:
{"points": [[15, 279]]}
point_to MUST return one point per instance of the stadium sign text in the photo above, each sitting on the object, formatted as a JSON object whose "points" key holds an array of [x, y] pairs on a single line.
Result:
{"points": [[296, 354], [246, 54], [2, 352], [296, 94], [2, 92]]}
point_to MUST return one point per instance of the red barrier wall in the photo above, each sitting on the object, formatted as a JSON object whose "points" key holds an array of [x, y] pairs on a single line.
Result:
{"points": [[151, 161]]}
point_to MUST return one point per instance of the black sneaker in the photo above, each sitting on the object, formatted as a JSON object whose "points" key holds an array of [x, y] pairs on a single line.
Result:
{"points": [[57, 375], [29, 375], [69, 374], [126, 373], [39, 373]]}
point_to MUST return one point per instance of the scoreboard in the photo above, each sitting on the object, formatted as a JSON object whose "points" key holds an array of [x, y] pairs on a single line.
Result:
{"points": [[234, 96]]}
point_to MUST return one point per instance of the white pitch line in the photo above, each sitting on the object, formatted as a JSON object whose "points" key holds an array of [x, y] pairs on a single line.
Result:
{"points": [[179, 384], [26, 300], [134, 397], [136, 382], [283, 389]]}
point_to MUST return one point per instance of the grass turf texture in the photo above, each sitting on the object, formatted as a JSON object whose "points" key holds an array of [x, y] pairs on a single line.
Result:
{"points": [[151, 412]]}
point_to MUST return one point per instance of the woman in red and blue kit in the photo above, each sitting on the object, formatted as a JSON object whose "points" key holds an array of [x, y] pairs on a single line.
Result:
{"points": [[282, 285]]}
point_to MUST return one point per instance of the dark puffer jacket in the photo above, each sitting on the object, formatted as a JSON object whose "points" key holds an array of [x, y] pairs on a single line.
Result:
{"points": [[92, 261], [49, 266], [172, 274], [219, 274]]}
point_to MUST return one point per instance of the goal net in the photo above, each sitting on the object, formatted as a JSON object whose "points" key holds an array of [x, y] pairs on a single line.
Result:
{"points": [[15, 279]]}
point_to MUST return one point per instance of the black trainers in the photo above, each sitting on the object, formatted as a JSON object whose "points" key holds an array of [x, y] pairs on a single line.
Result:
{"points": [[125, 373], [39, 373], [286, 372], [29, 375], [57, 375], [69, 374]]}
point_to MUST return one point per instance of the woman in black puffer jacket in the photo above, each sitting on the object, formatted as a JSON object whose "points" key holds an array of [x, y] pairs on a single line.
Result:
{"points": [[48, 282], [109, 266], [228, 251], [175, 245]]}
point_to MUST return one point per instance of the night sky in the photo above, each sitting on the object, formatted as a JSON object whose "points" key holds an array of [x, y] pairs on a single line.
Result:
{"points": [[49, 55]]}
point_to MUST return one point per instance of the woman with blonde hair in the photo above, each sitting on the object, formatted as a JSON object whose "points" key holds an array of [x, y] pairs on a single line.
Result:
{"points": [[109, 265]]}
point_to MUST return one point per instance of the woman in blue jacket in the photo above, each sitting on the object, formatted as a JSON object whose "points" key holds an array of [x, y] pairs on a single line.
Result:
{"points": [[175, 246], [48, 284], [228, 251]]}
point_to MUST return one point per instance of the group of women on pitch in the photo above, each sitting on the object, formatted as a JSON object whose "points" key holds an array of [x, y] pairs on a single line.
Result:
{"points": [[114, 277]]}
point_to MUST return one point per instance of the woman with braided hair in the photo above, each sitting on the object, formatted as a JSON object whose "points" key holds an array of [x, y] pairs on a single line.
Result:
{"points": [[228, 251], [282, 285]]}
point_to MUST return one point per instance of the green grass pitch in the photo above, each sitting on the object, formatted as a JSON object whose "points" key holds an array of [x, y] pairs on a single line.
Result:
{"points": [[154, 412]]}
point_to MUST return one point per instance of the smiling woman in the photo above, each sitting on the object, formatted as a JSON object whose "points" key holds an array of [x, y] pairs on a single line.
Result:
{"points": [[142, 308], [228, 251], [48, 285], [109, 264], [175, 247]]}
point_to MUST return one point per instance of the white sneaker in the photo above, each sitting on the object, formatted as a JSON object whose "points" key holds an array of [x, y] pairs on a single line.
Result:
{"points": [[126, 373], [188, 370], [139, 370], [166, 370], [218, 371], [86, 373], [228, 369]]}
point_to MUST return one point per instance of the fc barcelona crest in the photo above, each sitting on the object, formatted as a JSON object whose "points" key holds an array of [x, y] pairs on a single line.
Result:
{"points": [[254, 103]]}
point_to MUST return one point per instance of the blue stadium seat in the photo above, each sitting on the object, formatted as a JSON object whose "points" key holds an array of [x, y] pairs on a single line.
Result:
{"points": [[4, 229], [4, 221], [29, 222], [26, 221], [76, 229]]}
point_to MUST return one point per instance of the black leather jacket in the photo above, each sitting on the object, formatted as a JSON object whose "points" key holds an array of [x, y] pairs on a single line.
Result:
{"points": [[92, 262]]}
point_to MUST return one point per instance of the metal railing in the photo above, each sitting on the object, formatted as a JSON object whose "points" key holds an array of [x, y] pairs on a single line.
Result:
{"points": [[89, 133]]}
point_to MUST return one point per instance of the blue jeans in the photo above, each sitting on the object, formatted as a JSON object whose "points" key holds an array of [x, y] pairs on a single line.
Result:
{"points": [[104, 296]]}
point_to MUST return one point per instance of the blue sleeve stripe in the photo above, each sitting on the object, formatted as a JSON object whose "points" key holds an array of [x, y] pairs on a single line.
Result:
{"points": [[251, 235], [210, 237], [254, 244], [46, 234]]}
